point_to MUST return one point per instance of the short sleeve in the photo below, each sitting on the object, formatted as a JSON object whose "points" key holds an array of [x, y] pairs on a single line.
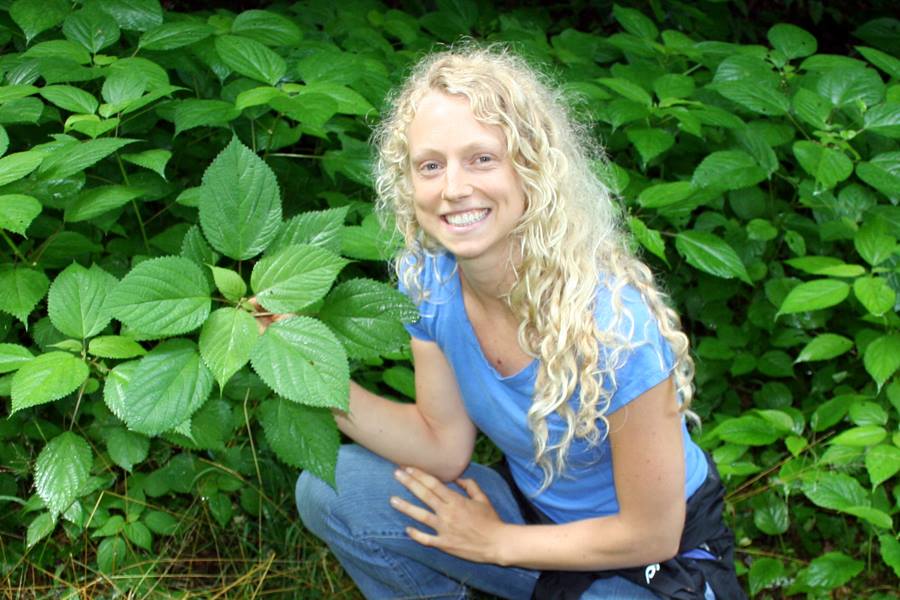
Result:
{"points": [[649, 360], [423, 328]]}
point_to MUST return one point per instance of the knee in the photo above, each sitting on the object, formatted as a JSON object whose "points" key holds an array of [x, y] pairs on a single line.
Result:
{"points": [[363, 481], [314, 498]]}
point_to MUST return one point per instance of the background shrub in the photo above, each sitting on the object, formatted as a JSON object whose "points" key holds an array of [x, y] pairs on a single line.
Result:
{"points": [[158, 167]]}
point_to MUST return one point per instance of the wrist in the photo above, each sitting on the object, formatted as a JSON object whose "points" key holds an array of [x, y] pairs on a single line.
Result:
{"points": [[502, 549]]}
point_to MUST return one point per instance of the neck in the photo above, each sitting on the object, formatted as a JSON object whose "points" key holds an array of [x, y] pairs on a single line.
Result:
{"points": [[487, 279]]}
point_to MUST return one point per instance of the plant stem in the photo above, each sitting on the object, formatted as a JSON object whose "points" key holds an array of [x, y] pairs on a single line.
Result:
{"points": [[137, 212], [15, 248]]}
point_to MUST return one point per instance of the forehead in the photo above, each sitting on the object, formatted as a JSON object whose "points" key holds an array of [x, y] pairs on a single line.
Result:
{"points": [[446, 122]]}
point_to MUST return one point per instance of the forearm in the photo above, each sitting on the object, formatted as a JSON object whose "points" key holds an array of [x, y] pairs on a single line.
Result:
{"points": [[593, 544], [398, 432]]}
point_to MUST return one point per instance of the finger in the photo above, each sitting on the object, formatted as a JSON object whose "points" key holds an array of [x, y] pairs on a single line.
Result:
{"points": [[423, 538], [472, 489], [425, 487], [426, 517]]}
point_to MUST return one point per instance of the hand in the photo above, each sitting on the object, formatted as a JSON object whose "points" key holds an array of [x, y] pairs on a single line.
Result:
{"points": [[467, 527], [264, 318]]}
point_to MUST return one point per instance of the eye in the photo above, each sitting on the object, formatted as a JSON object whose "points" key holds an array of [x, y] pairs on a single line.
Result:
{"points": [[429, 166], [483, 159]]}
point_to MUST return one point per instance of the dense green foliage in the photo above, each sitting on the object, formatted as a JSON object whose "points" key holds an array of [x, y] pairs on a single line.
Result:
{"points": [[157, 169]]}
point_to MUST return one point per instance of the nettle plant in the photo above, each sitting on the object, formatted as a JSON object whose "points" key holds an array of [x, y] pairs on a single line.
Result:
{"points": [[159, 169], [170, 387]]}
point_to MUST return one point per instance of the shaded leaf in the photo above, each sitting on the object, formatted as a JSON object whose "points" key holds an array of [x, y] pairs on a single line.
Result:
{"points": [[226, 340], [304, 437], [22, 289], [711, 254], [62, 467], [728, 170], [824, 347], [17, 211], [250, 58], [882, 357]]}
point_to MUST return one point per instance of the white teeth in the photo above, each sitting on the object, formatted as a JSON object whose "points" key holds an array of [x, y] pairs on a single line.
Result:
{"points": [[467, 218]]}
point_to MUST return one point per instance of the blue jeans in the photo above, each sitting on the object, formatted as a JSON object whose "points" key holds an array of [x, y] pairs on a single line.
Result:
{"points": [[368, 537]]}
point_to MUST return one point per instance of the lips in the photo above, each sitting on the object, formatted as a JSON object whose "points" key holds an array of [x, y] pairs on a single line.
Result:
{"points": [[468, 217]]}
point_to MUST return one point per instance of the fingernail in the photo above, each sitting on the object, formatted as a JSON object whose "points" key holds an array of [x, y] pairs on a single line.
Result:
{"points": [[399, 474], [394, 501], [409, 470]]}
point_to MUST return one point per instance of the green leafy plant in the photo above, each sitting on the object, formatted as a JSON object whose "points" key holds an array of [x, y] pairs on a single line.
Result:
{"points": [[159, 169]]}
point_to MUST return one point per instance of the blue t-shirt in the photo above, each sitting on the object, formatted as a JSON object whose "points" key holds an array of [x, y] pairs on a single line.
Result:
{"points": [[499, 405]]}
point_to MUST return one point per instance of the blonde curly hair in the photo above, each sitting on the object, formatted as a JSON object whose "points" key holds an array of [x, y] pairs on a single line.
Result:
{"points": [[570, 238]]}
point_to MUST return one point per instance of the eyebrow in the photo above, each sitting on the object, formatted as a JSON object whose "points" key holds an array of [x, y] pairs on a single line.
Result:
{"points": [[473, 147]]}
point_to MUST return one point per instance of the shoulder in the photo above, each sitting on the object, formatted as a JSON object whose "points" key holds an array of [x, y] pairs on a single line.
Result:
{"points": [[621, 309]]}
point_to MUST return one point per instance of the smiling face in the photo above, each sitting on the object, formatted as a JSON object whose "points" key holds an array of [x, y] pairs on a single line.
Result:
{"points": [[467, 194]]}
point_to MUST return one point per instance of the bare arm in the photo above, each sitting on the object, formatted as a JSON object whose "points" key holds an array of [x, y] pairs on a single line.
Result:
{"points": [[434, 434], [648, 466]]}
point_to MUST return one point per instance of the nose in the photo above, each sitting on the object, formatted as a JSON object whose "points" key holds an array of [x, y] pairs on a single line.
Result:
{"points": [[456, 183]]}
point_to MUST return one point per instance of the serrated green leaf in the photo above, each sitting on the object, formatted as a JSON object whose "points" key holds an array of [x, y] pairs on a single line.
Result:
{"points": [[882, 463], [792, 41], [75, 301], [748, 430], [70, 98], [46, 378], [316, 228], [635, 22], [240, 204], [827, 165], [867, 435], [310, 108], [300, 359], [873, 243], [650, 143], [134, 15], [17, 165], [192, 113], [35, 16], [139, 535], [62, 467], [160, 522], [169, 384], [761, 230], [22, 289], [814, 295], [17, 211], [114, 388], [837, 491], [13, 356], [302, 436], [294, 277], [267, 28], [90, 125], [846, 85], [673, 85], [23, 110], [770, 514], [155, 160], [728, 170], [811, 108], [665, 194], [882, 60], [367, 317], [711, 254], [754, 97], [884, 119], [115, 346], [226, 341], [627, 89], [882, 172], [77, 157], [111, 554], [250, 58], [890, 551], [161, 297], [39, 528], [763, 573], [126, 448], [194, 247], [824, 347], [875, 294], [229, 283], [92, 28], [882, 357], [650, 239], [829, 571], [170, 36], [352, 160]]}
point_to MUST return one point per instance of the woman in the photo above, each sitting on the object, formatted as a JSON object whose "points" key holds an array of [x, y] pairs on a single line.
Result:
{"points": [[540, 328]]}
